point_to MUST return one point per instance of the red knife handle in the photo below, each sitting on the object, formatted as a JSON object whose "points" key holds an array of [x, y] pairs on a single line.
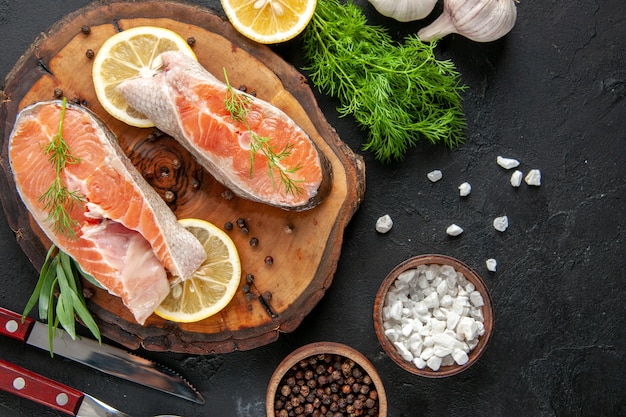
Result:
{"points": [[34, 387], [11, 325]]}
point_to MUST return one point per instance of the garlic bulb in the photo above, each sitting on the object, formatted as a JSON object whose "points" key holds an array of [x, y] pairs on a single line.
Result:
{"points": [[478, 20], [404, 10]]}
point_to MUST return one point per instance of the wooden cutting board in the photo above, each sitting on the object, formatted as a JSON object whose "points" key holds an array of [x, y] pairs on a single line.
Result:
{"points": [[305, 246]]}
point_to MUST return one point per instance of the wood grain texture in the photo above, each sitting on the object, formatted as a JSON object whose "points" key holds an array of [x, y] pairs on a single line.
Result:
{"points": [[305, 245]]}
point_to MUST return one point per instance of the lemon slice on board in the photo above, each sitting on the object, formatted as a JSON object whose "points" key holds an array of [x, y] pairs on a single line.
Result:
{"points": [[213, 285], [269, 21], [129, 54]]}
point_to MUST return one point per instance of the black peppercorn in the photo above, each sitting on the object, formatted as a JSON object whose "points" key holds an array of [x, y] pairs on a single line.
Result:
{"points": [[191, 41], [228, 226], [249, 278], [86, 30], [269, 260], [90, 54], [254, 242]]}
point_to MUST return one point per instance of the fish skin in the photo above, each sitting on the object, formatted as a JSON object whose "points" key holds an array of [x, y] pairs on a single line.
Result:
{"points": [[115, 228], [173, 95]]}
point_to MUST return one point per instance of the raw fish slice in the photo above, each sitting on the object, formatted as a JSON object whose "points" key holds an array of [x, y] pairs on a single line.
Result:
{"points": [[126, 236], [188, 103]]}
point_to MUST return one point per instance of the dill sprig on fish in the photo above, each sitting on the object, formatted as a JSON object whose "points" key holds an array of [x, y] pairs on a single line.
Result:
{"points": [[58, 201], [238, 105]]}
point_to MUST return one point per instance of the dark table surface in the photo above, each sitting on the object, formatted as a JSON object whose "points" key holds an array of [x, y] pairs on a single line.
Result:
{"points": [[550, 94]]}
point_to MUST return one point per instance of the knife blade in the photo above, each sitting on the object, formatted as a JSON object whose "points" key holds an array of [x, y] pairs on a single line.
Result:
{"points": [[32, 386], [105, 358]]}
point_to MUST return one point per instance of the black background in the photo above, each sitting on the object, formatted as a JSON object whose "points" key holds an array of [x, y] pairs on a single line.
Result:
{"points": [[550, 94]]}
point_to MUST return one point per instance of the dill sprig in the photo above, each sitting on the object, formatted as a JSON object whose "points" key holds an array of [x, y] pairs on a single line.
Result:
{"points": [[58, 201], [238, 105], [397, 92]]}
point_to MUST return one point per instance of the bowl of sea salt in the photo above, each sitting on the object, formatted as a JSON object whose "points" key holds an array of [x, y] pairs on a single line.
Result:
{"points": [[433, 315]]}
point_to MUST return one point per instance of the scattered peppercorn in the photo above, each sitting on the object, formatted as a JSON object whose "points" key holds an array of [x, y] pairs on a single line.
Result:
{"points": [[269, 260], [191, 41], [267, 295], [326, 398], [57, 93], [241, 222], [245, 230], [249, 278], [195, 184], [254, 242], [227, 194], [243, 88], [245, 288], [228, 226], [86, 30], [90, 53], [169, 196]]}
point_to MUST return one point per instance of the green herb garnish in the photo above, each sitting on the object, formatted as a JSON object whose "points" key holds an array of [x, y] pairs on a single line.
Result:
{"points": [[60, 274], [397, 92], [58, 200], [238, 105]]}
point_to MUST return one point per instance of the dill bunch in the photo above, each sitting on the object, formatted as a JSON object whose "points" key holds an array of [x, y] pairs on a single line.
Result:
{"points": [[398, 93]]}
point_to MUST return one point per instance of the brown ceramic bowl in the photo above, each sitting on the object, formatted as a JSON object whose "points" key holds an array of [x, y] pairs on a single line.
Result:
{"points": [[300, 358], [487, 310]]}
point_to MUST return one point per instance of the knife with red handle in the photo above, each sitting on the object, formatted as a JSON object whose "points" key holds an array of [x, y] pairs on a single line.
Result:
{"points": [[105, 358], [27, 384]]}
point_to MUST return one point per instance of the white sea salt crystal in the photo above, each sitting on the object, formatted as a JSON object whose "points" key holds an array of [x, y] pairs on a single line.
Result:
{"points": [[434, 363], [507, 163], [437, 326], [426, 353], [453, 320], [446, 301], [516, 178], [465, 189], [467, 328], [447, 360], [435, 175], [533, 177], [460, 357], [476, 299], [384, 224], [419, 363], [432, 300], [407, 329], [448, 271], [454, 230], [403, 351], [439, 315], [407, 276], [441, 351], [428, 342], [491, 264], [445, 340], [501, 223], [442, 288], [392, 334]]}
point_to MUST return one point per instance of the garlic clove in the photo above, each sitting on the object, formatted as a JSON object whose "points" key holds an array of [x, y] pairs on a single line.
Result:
{"points": [[477, 20], [404, 10]]}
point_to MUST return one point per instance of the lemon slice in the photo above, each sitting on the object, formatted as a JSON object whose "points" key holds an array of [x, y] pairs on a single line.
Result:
{"points": [[129, 54], [213, 285], [269, 21]]}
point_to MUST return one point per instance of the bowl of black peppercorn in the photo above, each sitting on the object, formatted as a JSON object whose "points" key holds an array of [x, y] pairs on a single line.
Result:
{"points": [[325, 378]]}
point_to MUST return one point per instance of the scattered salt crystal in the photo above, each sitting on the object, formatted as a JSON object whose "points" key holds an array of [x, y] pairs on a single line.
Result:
{"points": [[384, 224], [454, 230], [465, 189], [435, 175], [516, 178], [507, 163], [533, 177], [491, 264], [501, 223]]}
